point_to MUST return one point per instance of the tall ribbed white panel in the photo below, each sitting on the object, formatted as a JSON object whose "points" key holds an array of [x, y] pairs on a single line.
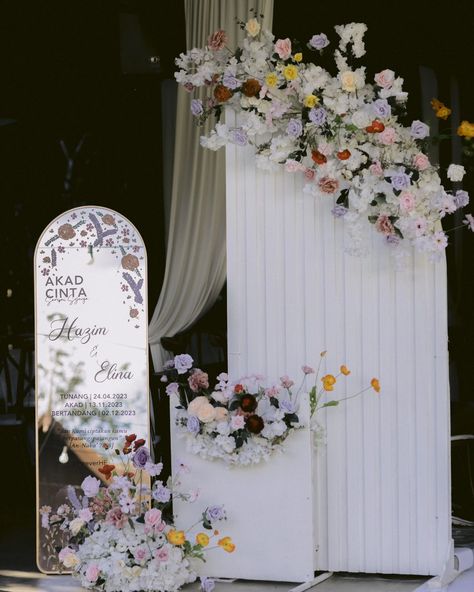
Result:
{"points": [[382, 495]]}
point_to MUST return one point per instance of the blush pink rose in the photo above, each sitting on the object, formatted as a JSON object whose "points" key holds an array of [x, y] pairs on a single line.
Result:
{"points": [[221, 414], [376, 169], [283, 48], [198, 380], [116, 517], [237, 422], [92, 573], [328, 185], [388, 135], [196, 404], [206, 413], [384, 225], [293, 166], [140, 554], [309, 174], [153, 517], [162, 555], [407, 201], [385, 78], [421, 161]]}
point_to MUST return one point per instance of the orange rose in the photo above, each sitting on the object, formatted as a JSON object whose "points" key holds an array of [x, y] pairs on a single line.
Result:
{"points": [[222, 93], [318, 157], [251, 87]]}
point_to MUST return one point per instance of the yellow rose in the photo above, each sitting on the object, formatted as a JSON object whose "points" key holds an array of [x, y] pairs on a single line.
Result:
{"points": [[443, 113], [202, 539], [375, 384], [298, 57], [345, 370], [466, 129], [436, 104], [348, 81], [176, 537], [310, 101], [271, 79], [290, 72], [253, 27]]}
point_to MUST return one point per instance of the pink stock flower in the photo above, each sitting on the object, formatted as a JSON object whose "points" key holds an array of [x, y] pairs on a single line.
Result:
{"points": [[141, 554], [376, 169]]}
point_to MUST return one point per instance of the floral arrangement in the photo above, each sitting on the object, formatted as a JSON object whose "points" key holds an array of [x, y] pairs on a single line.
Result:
{"points": [[341, 131], [242, 422], [121, 537]]}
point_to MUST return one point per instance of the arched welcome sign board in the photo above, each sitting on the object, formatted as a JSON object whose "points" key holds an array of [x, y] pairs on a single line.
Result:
{"points": [[91, 354]]}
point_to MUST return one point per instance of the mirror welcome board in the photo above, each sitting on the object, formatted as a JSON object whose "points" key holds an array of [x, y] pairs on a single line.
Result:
{"points": [[91, 356]]}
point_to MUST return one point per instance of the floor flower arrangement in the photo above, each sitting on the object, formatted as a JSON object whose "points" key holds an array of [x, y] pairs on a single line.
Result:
{"points": [[341, 130], [120, 537]]}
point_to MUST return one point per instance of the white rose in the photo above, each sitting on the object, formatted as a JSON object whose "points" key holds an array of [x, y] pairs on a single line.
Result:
{"points": [[361, 119], [220, 396], [456, 172], [196, 404], [76, 525], [71, 561], [348, 81], [206, 413], [253, 27]]}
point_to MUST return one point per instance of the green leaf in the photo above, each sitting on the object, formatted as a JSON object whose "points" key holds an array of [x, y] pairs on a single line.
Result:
{"points": [[330, 404]]}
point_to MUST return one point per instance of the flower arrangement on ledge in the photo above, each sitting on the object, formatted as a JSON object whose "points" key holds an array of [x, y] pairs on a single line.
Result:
{"points": [[341, 131], [243, 422], [121, 537]]}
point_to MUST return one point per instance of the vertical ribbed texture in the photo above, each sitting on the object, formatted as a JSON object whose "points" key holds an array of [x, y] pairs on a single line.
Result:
{"points": [[382, 490]]}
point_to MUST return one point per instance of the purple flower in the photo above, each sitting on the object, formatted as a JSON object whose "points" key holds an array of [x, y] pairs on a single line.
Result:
{"points": [[393, 239], [461, 198], [183, 363], [294, 128], [168, 364], [172, 389], [196, 107], [287, 406], [338, 211], [207, 584], [141, 457], [318, 116], [419, 130], [161, 493], [193, 425], [239, 137], [214, 513], [230, 81], [381, 108], [319, 41], [400, 181]]}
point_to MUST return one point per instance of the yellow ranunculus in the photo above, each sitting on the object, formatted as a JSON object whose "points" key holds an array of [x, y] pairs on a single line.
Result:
{"points": [[310, 101], [443, 113], [375, 384], [271, 79], [466, 129], [345, 370], [298, 57], [176, 537], [290, 72], [202, 539]]}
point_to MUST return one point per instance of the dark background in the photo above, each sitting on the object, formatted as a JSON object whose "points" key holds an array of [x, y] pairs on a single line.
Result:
{"points": [[66, 75]]}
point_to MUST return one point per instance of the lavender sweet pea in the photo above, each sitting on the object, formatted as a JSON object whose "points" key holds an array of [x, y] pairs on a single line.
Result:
{"points": [[193, 424], [317, 116], [141, 457], [294, 128], [319, 41], [215, 513], [239, 137], [381, 108], [419, 130], [400, 181], [196, 107]]}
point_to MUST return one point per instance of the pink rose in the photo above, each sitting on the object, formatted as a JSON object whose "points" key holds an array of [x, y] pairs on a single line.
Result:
{"points": [[153, 517], [385, 78], [116, 517], [293, 166], [407, 201], [421, 161], [388, 135], [141, 554], [217, 40], [237, 422], [376, 169], [328, 185], [86, 515], [309, 174], [92, 573], [162, 555], [384, 225], [198, 380], [283, 48]]}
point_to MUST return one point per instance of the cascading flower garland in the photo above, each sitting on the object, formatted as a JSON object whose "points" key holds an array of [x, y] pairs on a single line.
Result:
{"points": [[342, 132]]}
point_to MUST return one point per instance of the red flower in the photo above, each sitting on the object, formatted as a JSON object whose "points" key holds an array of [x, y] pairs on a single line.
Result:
{"points": [[138, 443], [254, 424], [251, 87], [318, 157], [222, 93], [131, 438], [344, 154], [376, 127], [248, 403], [238, 388], [106, 470]]}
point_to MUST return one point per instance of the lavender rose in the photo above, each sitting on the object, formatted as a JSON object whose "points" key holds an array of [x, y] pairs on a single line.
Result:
{"points": [[215, 513], [461, 198], [319, 41], [196, 107], [294, 128], [161, 493], [193, 425], [419, 130], [318, 116], [239, 137], [381, 108], [400, 181], [183, 363], [230, 81], [172, 389], [339, 211], [141, 457], [90, 486]]}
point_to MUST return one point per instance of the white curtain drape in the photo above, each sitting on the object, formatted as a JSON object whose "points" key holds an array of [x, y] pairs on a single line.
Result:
{"points": [[196, 250]]}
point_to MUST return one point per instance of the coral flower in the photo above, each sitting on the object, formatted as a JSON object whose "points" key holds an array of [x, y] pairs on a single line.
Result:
{"points": [[375, 384], [345, 370], [176, 537], [202, 539]]}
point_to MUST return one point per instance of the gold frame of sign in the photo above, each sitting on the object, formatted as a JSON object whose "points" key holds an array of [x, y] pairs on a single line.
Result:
{"points": [[91, 351]]}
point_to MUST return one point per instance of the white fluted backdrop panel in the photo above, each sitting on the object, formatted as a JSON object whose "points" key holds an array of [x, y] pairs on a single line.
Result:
{"points": [[382, 496]]}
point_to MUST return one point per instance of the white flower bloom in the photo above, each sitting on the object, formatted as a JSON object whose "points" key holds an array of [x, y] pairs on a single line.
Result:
{"points": [[456, 172]]}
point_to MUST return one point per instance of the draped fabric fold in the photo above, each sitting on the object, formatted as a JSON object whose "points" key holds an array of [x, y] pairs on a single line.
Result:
{"points": [[196, 250]]}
